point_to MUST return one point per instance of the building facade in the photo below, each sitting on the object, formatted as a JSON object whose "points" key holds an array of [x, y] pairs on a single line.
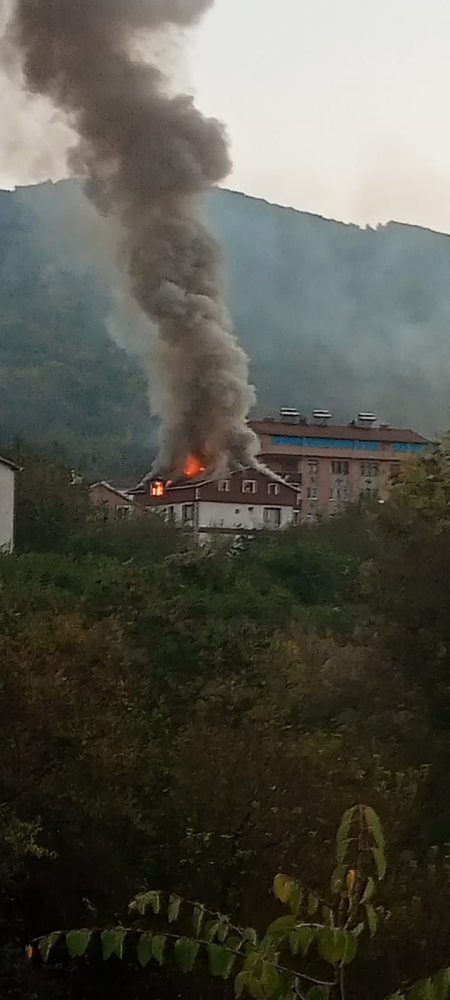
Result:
{"points": [[243, 501], [111, 502], [332, 466], [8, 473]]}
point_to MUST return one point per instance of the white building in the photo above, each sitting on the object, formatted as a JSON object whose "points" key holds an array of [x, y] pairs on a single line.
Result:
{"points": [[244, 501], [7, 504]]}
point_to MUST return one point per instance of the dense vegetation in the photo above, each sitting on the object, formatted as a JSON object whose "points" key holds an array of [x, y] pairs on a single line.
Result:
{"points": [[198, 720], [329, 314]]}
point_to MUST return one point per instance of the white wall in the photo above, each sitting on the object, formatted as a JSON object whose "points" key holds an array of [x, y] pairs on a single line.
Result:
{"points": [[7, 482], [228, 515]]}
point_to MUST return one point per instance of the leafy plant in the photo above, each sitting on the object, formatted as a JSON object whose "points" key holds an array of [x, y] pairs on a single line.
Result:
{"points": [[303, 954]]}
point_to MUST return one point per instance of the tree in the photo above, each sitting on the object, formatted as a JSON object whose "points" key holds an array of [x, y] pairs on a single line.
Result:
{"points": [[50, 506]]}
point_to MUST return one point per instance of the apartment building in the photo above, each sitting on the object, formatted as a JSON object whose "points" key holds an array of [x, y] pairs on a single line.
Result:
{"points": [[334, 465]]}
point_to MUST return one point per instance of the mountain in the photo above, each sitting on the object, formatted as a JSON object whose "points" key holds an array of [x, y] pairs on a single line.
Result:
{"points": [[330, 315]]}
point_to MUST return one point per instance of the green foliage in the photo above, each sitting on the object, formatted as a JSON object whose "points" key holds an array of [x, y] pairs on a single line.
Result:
{"points": [[256, 966], [112, 941], [178, 717], [77, 942], [50, 507]]}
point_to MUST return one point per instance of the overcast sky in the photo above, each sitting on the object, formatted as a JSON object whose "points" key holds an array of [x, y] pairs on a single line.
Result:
{"points": [[339, 107]]}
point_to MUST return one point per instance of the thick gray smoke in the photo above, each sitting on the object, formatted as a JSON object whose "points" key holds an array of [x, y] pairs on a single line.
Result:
{"points": [[147, 157]]}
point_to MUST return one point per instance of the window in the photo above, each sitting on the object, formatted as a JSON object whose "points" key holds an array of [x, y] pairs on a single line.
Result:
{"points": [[291, 474], [273, 489], [394, 471], [272, 517], [312, 492], [369, 494], [187, 513], [369, 469], [249, 486], [223, 486], [340, 468], [297, 517], [313, 465], [124, 512], [339, 493]]}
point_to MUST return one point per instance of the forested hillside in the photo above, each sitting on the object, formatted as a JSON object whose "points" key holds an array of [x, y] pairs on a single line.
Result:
{"points": [[330, 315]]}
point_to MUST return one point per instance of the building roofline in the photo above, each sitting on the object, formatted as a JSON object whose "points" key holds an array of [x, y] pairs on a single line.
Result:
{"points": [[196, 483], [10, 465], [350, 431], [112, 489]]}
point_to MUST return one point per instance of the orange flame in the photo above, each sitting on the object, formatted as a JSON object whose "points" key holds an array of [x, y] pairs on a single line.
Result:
{"points": [[193, 466], [158, 488]]}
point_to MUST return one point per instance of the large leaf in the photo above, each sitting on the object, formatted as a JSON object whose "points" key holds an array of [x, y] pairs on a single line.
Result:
{"points": [[338, 879], [435, 988], [210, 931], [158, 946], [379, 858], [222, 929], [374, 825], [249, 934], [240, 984], [295, 897], [318, 993], [146, 901], [369, 891], [77, 942], [301, 938], [351, 947], [234, 943], [46, 944], [173, 911], [287, 890], [263, 980], [197, 919], [342, 836], [144, 949], [221, 961], [372, 919], [312, 905], [282, 927], [112, 942], [331, 944], [282, 888], [186, 951]]}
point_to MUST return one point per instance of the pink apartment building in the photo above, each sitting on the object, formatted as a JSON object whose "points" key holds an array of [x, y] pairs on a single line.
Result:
{"points": [[334, 465]]}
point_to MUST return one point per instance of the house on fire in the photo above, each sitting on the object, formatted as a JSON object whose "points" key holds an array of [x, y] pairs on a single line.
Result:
{"points": [[246, 500]]}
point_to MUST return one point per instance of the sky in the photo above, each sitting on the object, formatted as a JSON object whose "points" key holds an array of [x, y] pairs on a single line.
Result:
{"points": [[337, 107]]}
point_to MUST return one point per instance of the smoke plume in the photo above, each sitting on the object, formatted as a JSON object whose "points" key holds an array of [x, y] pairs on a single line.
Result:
{"points": [[147, 157]]}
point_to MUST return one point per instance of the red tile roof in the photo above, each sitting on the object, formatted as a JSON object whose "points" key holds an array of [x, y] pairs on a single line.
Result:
{"points": [[346, 432]]}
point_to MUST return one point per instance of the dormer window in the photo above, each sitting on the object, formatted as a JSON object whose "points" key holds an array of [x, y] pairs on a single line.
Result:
{"points": [[273, 489], [249, 486], [223, 486]]}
